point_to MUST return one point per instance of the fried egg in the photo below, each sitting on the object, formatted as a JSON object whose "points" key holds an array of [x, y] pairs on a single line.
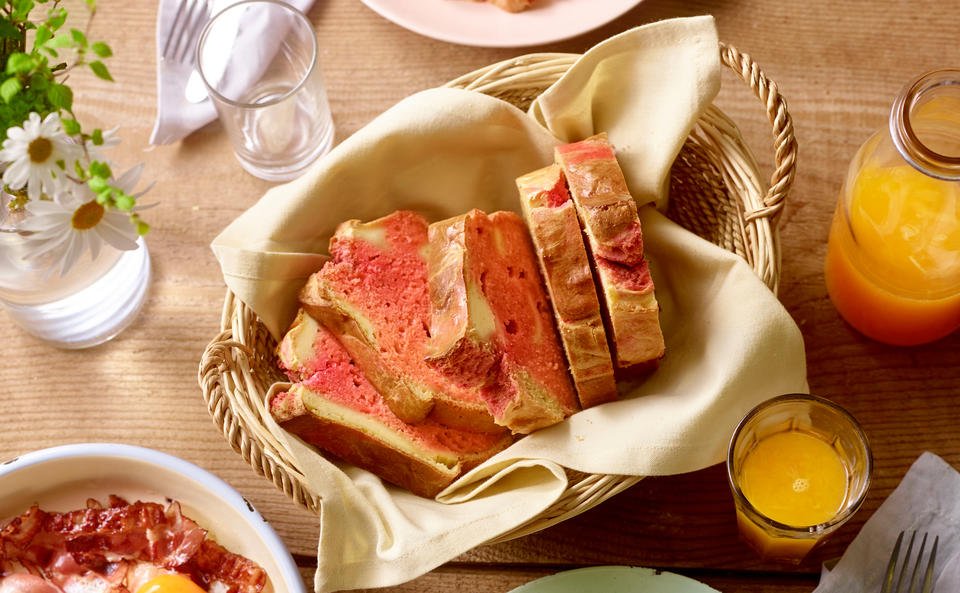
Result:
{"points": [[170, 583]]}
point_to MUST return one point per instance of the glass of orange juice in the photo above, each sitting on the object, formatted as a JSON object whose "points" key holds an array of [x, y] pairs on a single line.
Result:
{"points": [[893, 258], [799, 467]]}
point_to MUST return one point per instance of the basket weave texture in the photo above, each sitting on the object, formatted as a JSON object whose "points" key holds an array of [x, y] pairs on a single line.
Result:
{"points": [[716, 191]]}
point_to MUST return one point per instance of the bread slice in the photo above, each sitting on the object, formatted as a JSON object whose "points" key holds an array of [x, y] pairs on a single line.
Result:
{"points": [[552, 219], [373, 295], [334, 407], [491, 326], [608, 216]]}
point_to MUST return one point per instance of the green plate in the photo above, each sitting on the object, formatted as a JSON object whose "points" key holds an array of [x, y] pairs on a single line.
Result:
{"points": [[614, 579]]}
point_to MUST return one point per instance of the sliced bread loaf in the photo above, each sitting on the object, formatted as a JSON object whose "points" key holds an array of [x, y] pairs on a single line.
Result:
{"points": [[608, 216], [334, 407], [552, 219], [491, 327], [373, 295]]}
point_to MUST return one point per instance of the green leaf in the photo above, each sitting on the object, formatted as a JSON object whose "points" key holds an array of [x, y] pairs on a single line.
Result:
{"points": [[9, 88], [102, 49], [57, 18], [100, 70], [79, 37], [123, 201], [98, 184], [97, 137], [92, 5], [51, 51], [100, 169], [43, 35], [19, 63], [60, 40], [22, 8], [142, 228], [39, 82], [71, 127], [8, 31], [60, 96]]}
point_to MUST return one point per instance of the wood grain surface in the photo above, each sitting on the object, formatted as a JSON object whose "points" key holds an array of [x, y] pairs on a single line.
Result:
{"points": [[838, 64]]}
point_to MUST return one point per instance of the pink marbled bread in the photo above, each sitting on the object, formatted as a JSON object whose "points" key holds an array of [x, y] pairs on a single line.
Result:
{"points": [[608, 216], [491, 326], [552, 219], [373, 295], [334, 407]]}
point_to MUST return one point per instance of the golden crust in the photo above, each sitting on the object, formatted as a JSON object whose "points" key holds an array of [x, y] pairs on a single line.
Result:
{"points": [[607, 211], [566, 270]]}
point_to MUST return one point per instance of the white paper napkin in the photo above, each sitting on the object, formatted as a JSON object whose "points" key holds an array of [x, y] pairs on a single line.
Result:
{"points": [[177, 118], [927, 500]]}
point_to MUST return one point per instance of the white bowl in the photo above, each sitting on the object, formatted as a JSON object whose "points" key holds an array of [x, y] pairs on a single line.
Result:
{"points": [[63, 478]]}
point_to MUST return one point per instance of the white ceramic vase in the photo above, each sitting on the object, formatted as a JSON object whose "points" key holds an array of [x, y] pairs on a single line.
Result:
{"points": [[96, 300]]}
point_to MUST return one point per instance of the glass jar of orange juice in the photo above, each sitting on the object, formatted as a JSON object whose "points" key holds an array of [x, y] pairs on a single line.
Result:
{"points": [[893, 259]]}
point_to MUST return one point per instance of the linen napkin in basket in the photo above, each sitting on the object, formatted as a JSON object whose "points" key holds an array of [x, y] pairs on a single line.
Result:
{"points": [[178, 117], [925, 501], [730, 344]]}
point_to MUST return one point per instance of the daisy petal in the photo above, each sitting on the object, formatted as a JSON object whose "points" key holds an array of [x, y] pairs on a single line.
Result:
{"points": [[74, 250], [94, 243]]}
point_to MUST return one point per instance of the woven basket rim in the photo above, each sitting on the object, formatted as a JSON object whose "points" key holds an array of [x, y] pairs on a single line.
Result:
{"points": [[228, 369]]}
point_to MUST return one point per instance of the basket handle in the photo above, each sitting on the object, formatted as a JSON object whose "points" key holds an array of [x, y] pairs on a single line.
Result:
{"points": [[785, 143]]}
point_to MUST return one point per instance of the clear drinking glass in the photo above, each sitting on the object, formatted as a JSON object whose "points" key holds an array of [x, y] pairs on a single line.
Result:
{"points": [[260, 62], [799, 467]]}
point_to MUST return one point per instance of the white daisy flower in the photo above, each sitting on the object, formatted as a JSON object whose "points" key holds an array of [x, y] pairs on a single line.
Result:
{"points": [[64, 228], [38, 155]]}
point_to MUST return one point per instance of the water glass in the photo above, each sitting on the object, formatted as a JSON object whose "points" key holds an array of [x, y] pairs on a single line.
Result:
{"points": [[799, 467], [260, 62]]}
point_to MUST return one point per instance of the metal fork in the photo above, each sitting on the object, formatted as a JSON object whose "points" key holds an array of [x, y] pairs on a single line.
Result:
{"points": [[179, 86], [189, 20], [927, 584]]}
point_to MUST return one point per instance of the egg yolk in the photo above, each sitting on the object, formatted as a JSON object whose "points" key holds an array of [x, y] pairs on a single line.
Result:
{"points": [[170, 583]]}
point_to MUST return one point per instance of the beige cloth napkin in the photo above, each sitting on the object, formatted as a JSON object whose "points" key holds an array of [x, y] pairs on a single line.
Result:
{"points": [[730, 344]]}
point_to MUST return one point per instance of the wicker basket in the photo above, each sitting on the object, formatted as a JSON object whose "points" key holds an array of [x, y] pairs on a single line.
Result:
{"points": [[715, 191]]}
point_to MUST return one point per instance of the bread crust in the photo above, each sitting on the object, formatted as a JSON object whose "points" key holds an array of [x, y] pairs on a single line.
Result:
{"points": [[562, 256], [608, 216], [302, 412]]}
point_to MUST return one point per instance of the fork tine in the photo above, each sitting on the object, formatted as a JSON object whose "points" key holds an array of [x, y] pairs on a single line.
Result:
{"points": [[892, 565], [906, 563], [916, 566], [196, 18], [175, 28], [928, 574]]}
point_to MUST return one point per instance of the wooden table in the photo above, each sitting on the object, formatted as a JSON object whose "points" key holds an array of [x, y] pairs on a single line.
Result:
{"points": [[839, 66]]}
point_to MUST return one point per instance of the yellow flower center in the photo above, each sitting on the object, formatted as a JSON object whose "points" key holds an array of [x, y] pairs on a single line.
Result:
{"points": [[87, 216], [40, 150]]}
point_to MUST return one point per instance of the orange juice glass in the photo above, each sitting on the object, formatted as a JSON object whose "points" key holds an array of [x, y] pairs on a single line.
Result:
{"points": [[799, 468], [893, 258]]}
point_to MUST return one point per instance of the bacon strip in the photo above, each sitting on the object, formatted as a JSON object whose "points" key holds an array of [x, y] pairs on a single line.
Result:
{"points": [[94, 546]]}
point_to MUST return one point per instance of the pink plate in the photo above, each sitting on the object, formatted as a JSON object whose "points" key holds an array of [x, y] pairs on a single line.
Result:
{"points": [[481, 24]]}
